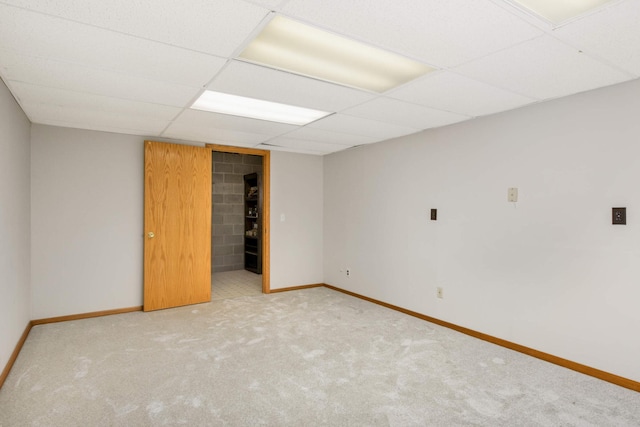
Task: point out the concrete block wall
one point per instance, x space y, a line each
228 208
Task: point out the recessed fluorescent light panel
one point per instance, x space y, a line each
298 48
218 102
557 11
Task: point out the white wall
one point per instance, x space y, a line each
87 203
550 272
87 214
296 242
14 224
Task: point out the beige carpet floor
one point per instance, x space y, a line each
303 358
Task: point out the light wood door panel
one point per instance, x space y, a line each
177 213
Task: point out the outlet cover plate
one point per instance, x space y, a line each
619 216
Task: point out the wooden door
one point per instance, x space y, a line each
177 225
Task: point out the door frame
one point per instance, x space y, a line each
266 204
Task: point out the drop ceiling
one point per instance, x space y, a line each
136 67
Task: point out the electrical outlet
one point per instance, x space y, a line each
619 216
512 194
439 292
348 272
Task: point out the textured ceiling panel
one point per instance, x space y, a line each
452 92
213 135
404 114
269 4
543 68
364 127
442 33
612 34
94 119
250 80
215 27
205 119
75 77
319 147
297 150
34 34
32 94
329 137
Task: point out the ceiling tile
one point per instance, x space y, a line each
289 149
269 4
213 135
28 94
205 119
459 94
325 136
404 114
215 27
240 78
611 34
301 144
441 33
75 77
44 36
223 129
83 118
379 131
543 68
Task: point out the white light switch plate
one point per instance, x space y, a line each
512 194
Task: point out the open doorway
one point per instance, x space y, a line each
240 221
